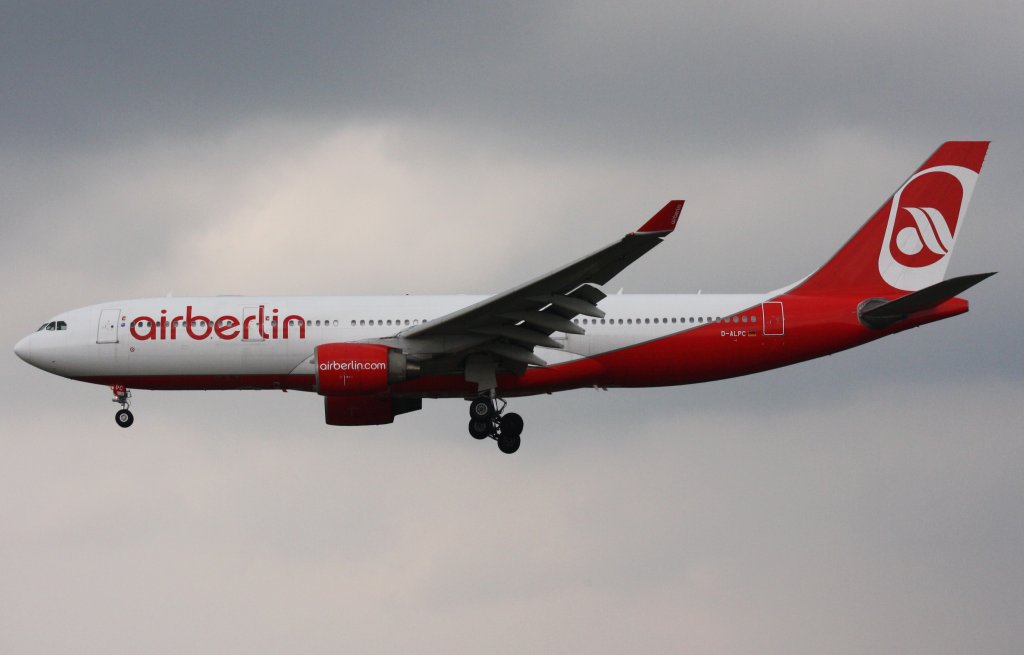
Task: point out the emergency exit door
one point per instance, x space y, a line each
774 319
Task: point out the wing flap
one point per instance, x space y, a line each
571 304
515 353
546 320
520 334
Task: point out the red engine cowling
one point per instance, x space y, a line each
367 410
358 369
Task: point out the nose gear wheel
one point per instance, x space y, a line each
122 396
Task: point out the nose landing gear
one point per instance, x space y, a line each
488 420
122 396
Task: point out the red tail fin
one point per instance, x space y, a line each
907 244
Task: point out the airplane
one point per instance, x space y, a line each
373 358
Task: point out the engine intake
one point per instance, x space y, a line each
357 369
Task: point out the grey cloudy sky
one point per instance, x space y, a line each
866 502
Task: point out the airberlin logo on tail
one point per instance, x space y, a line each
924 218
930 232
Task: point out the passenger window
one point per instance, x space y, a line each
647 321
744 319
753 319
335 323
700 319
629 321
655 321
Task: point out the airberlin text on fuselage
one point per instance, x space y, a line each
227 327
353 366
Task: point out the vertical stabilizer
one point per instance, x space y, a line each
907 244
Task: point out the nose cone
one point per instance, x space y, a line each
23 349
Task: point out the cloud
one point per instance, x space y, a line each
733 530
576 76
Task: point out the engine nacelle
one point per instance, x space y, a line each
367 410
359 369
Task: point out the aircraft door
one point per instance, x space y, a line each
251 318
107 330
774 319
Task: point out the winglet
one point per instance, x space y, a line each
664 221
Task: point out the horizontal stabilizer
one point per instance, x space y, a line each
881 313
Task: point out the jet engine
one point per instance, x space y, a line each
359 369
367 410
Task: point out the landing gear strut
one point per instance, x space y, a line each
122 396
489 421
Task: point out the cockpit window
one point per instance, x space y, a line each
61 325
51 326
42 327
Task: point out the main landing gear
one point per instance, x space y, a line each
122 396
488 420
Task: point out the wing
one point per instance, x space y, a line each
506 327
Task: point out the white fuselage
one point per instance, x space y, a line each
150 337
